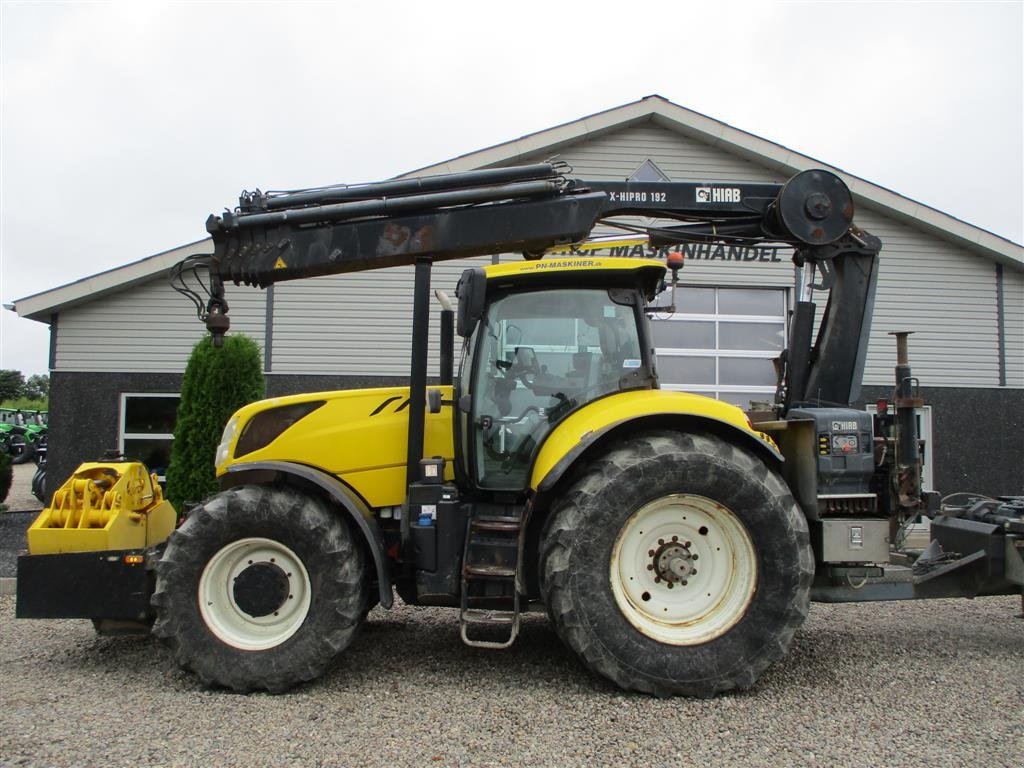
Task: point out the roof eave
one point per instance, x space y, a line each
784 160
42 306
771 155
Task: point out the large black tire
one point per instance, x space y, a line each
20 449
282 582
39 482
710 508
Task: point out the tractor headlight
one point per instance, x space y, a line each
223 450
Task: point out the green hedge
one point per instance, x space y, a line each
217 382
26 404
6 476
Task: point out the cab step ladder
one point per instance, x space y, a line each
490 594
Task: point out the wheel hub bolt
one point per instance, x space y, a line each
672 562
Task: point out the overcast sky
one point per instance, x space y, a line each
125 125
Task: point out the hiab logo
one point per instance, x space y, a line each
718 195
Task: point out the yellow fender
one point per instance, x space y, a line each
568 441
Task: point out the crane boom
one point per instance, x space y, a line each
276 236
284 236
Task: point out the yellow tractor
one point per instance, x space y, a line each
674 544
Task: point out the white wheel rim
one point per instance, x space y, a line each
701 549
228 620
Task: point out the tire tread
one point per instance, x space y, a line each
306 654
637 455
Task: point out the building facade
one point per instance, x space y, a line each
120 340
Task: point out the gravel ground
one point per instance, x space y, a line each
932 683
20 498
12 539
900 684
20 509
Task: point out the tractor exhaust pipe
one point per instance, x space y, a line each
907 399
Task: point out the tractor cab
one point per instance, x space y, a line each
543 339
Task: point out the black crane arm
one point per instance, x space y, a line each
276 236
272 237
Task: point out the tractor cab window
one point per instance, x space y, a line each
539 356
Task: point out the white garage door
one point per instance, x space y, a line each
721 342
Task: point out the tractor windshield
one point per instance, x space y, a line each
539 356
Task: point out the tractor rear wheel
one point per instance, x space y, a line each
260 589
677 564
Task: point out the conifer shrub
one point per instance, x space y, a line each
6 476
217 382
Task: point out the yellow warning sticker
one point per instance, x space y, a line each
280 264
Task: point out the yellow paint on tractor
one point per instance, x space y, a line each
358 435
626 406
102 507
574 263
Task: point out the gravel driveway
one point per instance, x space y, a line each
20 498
896 684
22 508
904 684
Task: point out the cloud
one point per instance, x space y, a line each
124 125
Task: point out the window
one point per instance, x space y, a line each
147 429
540 355
648 171
722 342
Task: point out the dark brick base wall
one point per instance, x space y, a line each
978 434
85 411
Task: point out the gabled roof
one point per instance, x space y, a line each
768 154
653 108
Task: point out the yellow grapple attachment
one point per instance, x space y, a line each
102 507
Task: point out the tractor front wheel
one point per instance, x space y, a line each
260 589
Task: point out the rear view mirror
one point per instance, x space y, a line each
471 292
